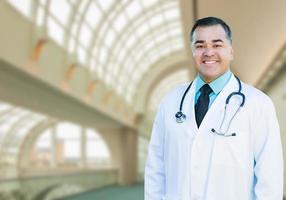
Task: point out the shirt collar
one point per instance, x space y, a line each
216 85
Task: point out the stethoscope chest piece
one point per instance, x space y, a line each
180 117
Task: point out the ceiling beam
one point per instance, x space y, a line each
23 89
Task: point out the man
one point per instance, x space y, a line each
213 152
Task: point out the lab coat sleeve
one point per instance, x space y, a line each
154 183
268 155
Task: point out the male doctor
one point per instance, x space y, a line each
216 152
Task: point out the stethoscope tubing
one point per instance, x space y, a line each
181 117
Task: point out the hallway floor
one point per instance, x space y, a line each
113 193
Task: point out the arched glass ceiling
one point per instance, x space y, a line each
66 140
179 77
117 40
17 123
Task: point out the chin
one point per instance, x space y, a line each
209 75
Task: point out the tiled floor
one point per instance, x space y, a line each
135 192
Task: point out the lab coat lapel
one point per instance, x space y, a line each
189 109
202 147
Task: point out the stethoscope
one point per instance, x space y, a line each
181 117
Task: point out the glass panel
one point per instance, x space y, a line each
96 147
71 150
172 14
142 30
85 35
161 38
131 40
109 38
30 123
175 32
179 77
24 6
156 20
133 9
68 139
121 55
103 55
177 44
93 15
41 154
105 4
11 118
165 51
60 9
44 141
149 45
120 22
81 54
68 130
55 31
149 3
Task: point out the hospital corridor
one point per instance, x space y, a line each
81 82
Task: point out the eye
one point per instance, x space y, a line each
217 45
199 46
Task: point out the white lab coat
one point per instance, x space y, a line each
187 163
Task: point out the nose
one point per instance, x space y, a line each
208 51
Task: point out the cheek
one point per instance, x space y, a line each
227 55
196 56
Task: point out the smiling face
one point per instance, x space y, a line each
212 51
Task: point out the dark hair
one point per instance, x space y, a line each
211 21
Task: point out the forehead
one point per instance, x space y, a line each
209 33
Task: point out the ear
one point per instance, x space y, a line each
231 53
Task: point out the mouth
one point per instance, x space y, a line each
209 62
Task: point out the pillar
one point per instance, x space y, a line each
128 164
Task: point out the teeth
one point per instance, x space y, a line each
210 62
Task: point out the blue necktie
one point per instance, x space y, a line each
202 104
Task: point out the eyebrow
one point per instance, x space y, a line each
218 40
202 41
199 42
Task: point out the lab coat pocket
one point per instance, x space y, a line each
230 166
232 151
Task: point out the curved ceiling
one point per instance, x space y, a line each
121 41
117 40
